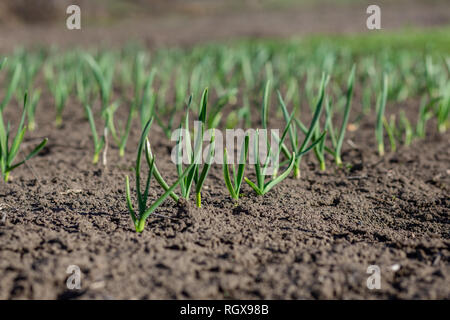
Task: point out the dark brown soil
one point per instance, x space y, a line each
311 238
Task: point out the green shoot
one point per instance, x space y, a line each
60 88
7 153
366 100
247 71
261 187
389 126
336 140
244 113
158 177
31 66
144 212
12 84
430 76
194 157
31 109
447 65
319 149
407 128
265 105
103 78
234 188
425 114
297 148
120 137
82 88
181 87
443 111
232 120
146 101
381 106
200 180
2 63
340 139
138 74
99 143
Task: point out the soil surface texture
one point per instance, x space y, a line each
311 238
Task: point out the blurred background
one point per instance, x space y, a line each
184 22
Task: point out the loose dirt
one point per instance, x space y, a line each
306 239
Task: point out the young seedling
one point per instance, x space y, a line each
195 176
144 97
390 127
35 96
99 143
430 78
82 88
12 84
244 114
60 88
265 105
447 65
144 211
366 100
104 79
32 63
381 106
8 154
181 87
443 111
261 187
235 187
425 114
120 137
138 74
292 95
162 107
405 126
31 109
247 71
146 100
336 140
340 138
300 149
232 120
319 149
200 179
